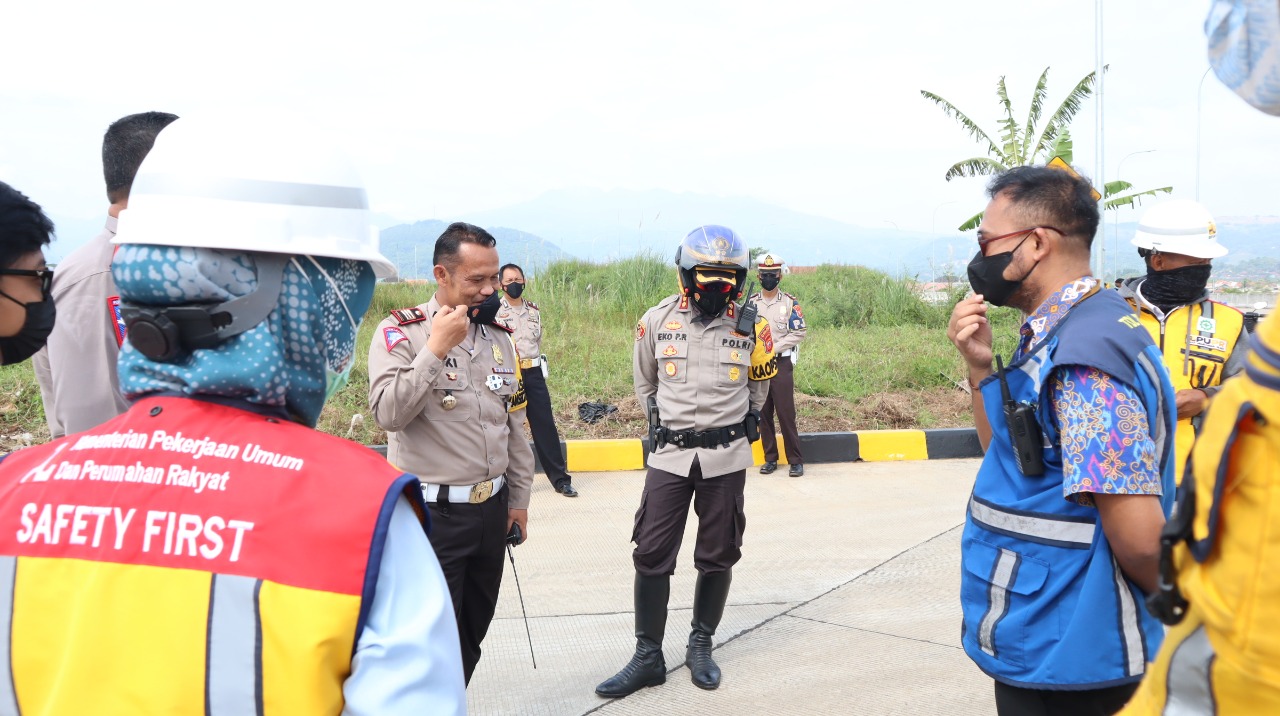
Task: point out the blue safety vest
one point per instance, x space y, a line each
1046 605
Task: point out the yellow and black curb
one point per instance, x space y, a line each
865 445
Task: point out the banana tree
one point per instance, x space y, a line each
1029 143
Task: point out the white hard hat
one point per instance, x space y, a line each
1179 226
769 260
263 186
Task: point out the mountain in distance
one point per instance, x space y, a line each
409 247
601 225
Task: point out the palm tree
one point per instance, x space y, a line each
1021 144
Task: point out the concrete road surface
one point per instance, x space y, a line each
846 601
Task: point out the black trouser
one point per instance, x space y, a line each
542 423
1016 701
664 508
782 399
470 543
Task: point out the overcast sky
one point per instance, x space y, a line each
455 107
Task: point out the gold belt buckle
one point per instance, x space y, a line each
526 363
481 492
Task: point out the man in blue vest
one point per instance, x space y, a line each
1062 538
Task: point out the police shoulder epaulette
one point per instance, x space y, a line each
668 300
532 305
406 316
791 296
495 324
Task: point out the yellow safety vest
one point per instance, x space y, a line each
1224 657
1196 341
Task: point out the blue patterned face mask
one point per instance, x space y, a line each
292 360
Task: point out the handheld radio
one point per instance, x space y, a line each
1024 431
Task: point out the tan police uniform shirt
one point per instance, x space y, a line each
786 320
478 439
77 367
526 322
703 377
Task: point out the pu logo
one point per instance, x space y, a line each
1206 325
43 471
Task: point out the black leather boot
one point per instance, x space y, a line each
647 667
709 597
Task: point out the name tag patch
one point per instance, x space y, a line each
1215 344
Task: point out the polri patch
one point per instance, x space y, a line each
113 312
639 330
393 336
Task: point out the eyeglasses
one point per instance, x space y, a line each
45 275
982 243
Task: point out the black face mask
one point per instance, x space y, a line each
35 331
514 289
711 303
769 281
986 276
1175 287
484 313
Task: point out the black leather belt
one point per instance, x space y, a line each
713 438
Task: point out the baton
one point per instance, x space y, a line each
514 537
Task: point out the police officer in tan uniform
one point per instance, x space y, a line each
525 321
786 321
77 370
708 378
444 382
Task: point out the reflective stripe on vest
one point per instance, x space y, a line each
1135 649
1190 691
1038 527
8 579
1003 574
233 671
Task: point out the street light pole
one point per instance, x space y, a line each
1115 224
1199 102
933 233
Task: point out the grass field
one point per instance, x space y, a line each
876 356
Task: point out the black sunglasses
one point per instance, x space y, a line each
45 275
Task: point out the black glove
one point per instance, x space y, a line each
752 425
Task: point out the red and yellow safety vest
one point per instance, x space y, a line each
188 557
